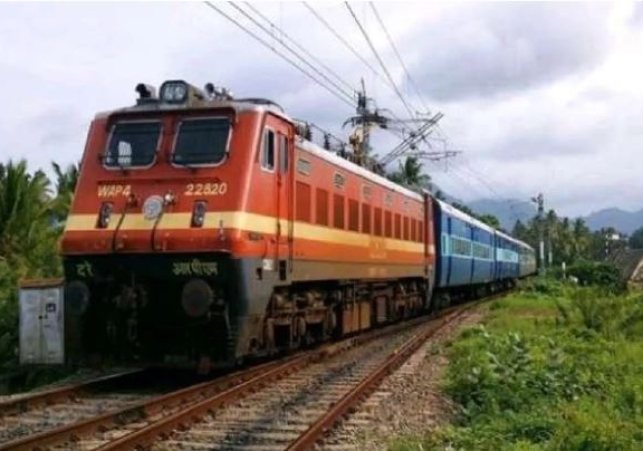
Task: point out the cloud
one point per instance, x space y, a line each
538 96
488 50
637 15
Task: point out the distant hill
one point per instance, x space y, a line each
622 220
507 211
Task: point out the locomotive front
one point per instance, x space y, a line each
148 243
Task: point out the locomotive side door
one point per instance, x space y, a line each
283 145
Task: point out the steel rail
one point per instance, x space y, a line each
140 410
60 394
366 386
216 394
183 418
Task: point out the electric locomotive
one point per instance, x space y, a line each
207 229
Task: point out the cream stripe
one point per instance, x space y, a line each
250 222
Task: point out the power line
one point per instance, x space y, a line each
339 88
377 56
399 57
346 44
300 47
286 58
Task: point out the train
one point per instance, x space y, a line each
207 230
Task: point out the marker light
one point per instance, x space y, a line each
104 215
169 198
198 213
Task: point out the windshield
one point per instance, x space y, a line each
133 144
201 141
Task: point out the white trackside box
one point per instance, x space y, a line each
42 322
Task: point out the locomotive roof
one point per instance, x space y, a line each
241 105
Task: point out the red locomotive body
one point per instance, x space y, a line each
207 229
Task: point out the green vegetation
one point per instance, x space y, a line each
31 221
636 239
554 367
570 240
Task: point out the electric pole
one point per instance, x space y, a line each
541 242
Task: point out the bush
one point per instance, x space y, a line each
569 380
598 274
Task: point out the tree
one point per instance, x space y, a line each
490 220
24 211
636 239
27 242
410 174
66 182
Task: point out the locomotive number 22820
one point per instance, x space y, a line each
206 189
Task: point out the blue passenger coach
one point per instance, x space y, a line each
507 257
465 253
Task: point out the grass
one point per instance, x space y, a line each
553 367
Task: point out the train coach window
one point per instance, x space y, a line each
268 154
388 224
133 144
201 141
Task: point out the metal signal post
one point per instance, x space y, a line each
541 240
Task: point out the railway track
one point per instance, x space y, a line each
27 416
286 404
296 412
27 413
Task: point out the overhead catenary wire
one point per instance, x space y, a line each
399 57
347 45
280 54
348 94
379 59
301 48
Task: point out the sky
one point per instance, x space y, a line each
537 97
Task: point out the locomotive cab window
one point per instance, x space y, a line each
133 144
201 141
268 153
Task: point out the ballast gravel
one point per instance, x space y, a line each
409 401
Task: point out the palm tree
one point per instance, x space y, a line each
410 174
66 182
24 211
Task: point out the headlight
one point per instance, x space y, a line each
174 91
152 207
198 213
104 215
